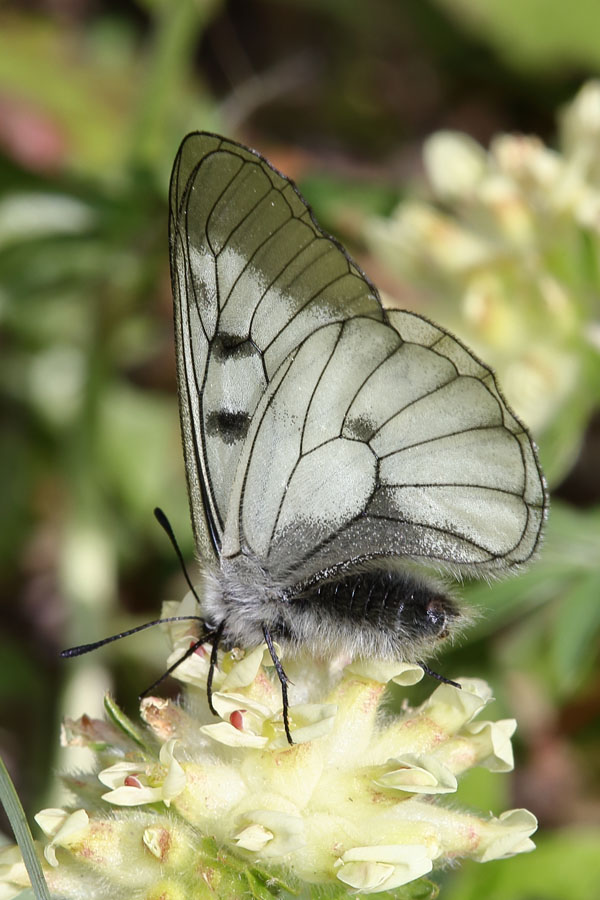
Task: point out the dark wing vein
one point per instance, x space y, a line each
442 437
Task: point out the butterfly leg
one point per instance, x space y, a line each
438 677
192 649
283 680
213 664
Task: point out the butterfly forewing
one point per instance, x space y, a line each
253 276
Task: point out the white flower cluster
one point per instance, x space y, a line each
495 254
357 801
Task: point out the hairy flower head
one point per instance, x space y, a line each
199 806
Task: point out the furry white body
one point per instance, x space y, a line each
371 613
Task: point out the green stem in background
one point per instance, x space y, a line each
176 29
22 832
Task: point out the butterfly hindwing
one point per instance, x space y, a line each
384 440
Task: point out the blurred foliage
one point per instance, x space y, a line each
534 33
94 100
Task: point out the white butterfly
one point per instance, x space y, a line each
330 445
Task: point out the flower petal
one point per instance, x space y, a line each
379 868
286 832
13 874
115 775
253 713
193 669
418 773
253 837
311 721
227 734
455 164
133 796
493 744
63 826
507 835
402 673
175 779
245 670
50 820
452 708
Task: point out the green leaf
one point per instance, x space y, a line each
575 636
539 33
138 432
123 722
421 889
258 888
22 832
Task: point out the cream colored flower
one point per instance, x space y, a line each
62 827
13 874
455 164
496 257
359 799
133 784
382 868
418 773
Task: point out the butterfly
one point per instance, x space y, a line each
338 454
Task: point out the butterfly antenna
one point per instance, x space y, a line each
283 680
439 677
87 648
164 523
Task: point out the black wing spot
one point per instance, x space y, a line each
227 425
360 428
232 346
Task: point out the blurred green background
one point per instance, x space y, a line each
501 247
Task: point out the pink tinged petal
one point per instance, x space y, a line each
114 776
254 713
132 781
237 719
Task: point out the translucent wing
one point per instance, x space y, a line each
253 275
384 439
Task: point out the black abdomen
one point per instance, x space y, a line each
389 601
